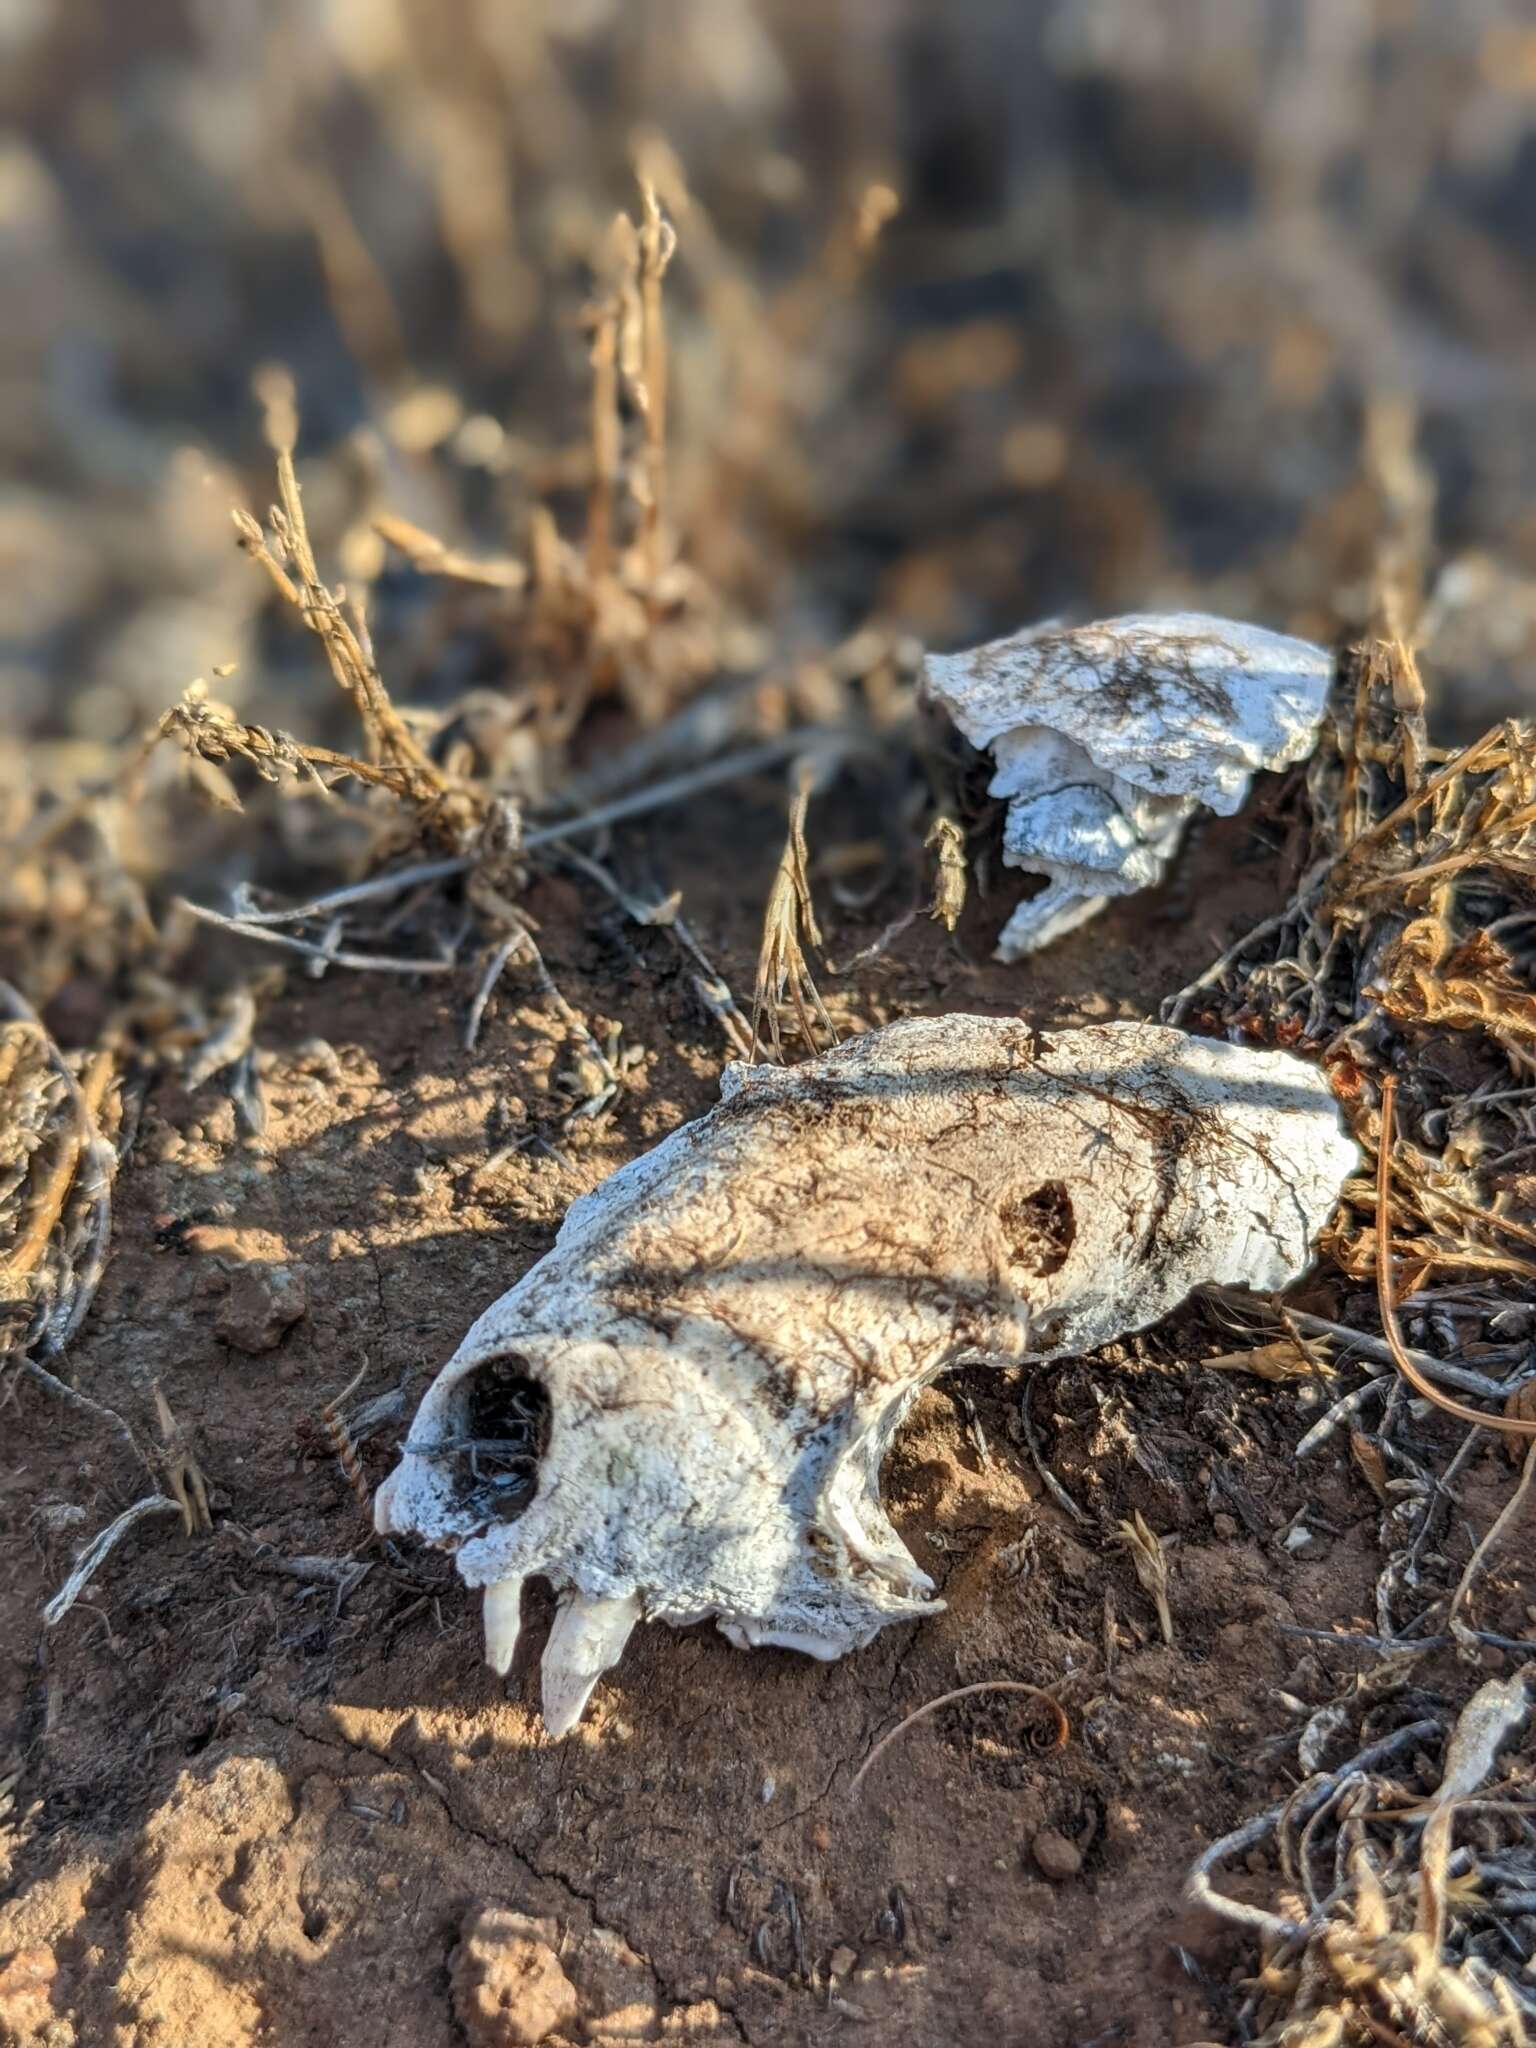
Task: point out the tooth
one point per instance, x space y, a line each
383 1503
587 1638
503 1617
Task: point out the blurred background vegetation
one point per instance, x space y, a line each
979 313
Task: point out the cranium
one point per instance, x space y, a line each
680 1412
1108 738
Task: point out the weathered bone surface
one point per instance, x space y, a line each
1107 739
680 1413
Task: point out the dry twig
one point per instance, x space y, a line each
97 1551
1507 1516
945 1699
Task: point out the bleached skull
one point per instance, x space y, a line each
680 1412
1108 738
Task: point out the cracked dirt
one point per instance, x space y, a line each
259 1808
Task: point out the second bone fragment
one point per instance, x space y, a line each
680 1413
1108 738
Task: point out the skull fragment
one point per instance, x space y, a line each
680 1412
1108 738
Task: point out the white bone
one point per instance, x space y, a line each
503 1620
729 1331
1107 738
587 1639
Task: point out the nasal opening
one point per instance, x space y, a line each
503 1433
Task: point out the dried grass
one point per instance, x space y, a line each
1407 937
1405 940
784 979
1384 1933
56 1172
1150 1560
1404 964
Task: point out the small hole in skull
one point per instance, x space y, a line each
1039 1226
504 1434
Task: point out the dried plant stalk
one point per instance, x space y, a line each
396 760
430 556
179 1470
1151 1563
24 1255
658 243
334 1423
1515 1425
946 842
1059 1733
782 970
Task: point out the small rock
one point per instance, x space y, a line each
1055 1857
509 1990
219 1123
1225 1527
841 1960
262 1305
25 2003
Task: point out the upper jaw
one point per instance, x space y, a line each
814 1566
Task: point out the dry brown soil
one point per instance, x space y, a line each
250 1812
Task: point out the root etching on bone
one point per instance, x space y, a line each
680 1413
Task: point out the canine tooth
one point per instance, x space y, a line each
384 1502
503 1618
587 1638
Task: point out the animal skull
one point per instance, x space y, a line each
680 1412
1108 738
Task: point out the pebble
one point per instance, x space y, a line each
509 1990
1056 1857
262 1305
1225 1526
164 1146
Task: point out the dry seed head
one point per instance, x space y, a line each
783 974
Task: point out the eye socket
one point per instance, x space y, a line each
1039 1226
504 1435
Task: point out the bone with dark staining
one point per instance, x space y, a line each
680 1413
1108 738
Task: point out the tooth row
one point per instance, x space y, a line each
587 1639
